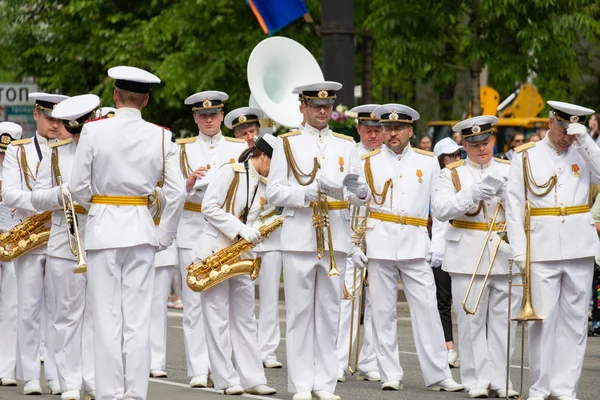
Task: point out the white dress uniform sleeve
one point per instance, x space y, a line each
279 192
356 167
214 202
447 204
12 193
44 196
438 228
590 152
81 176
515 206
173 193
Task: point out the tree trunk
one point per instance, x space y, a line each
475 72
367 67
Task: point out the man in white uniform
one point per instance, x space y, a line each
118 164
468 194
371 138
9 131
304 164
554 177
401 180
72 322
23 158
199 156
246 125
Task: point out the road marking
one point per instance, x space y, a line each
210 390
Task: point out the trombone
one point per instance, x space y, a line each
502 234
72 228
359 231
321 222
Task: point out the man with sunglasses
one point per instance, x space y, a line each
471 193
34 288
199 156
554 177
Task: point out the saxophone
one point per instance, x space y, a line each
222 265
25 236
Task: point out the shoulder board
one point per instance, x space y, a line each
160 126
288 134
456 164
238 167
263 179
525 146
339 135
425 153
186 140
21 141
235 140
60 143
95 119
370 154
502 160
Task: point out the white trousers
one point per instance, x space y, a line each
35 295
269 334
158 322
121 285
367 360
196 352
482 337
8 320
228 310
419 287
312 312
69 321
560 293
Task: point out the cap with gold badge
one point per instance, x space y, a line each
9 131
133 79
567 113
396 114
242 116
106 112
364 114
45 102
75 111
319 94
477 128
207 102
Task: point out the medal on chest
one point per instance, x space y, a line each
341 162
575 169
420 176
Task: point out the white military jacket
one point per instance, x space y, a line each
123 156
223 226
463 246
17 182
555 237
266 216
7 220
46 196
211 152
337 157
414 174
169 256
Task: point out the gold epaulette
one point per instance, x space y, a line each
339 135
186 140
455 164
21 141
238 167
263 179
502 160
424 152
60 143
235 140
525 146
370 154
288 134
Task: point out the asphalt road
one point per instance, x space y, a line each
175 387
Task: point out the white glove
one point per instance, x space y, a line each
358 257
356 186
481 191
501 193
63 187
578 130
435 259
520 262
312 193
250 234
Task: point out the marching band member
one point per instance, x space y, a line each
198 157
401 179
9 131
554 176
371 138
469 193
245 125
34 289
72 321
301 162
230 206
119 161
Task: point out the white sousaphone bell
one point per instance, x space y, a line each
276 66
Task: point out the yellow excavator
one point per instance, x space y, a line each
517 113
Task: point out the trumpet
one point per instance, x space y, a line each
72 228
321 222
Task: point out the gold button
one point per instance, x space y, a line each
400 176
402 228
323 157
563 221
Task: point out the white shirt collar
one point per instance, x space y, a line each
401 155
129 112
210 139
41 140
316 132
553 149
365 148
479 166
